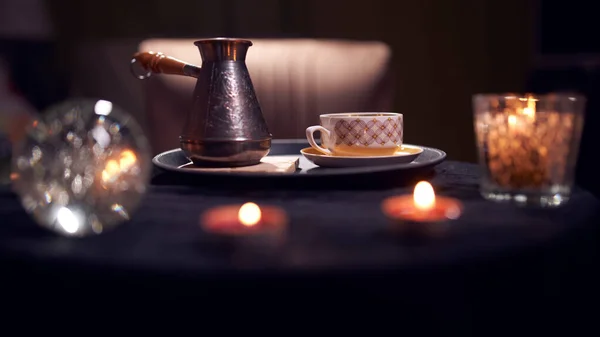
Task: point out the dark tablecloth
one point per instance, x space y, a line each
497 257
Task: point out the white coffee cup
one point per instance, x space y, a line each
358 133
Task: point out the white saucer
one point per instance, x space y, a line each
405 155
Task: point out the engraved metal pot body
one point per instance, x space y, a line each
225 126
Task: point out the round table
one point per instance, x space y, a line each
338 248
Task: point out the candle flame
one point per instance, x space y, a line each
424 196
516 120
529 111
249 214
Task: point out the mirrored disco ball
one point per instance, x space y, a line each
82 168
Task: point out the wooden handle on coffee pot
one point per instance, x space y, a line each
159 63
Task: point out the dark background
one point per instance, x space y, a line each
567 27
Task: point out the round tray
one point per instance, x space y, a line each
169 161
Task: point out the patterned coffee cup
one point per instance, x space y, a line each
358 134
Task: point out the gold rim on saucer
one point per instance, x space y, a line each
405 150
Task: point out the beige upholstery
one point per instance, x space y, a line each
295 81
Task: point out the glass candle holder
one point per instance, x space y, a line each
528 146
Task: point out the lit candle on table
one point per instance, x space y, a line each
248 221
526 147
422 211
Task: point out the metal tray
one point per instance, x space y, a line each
168 163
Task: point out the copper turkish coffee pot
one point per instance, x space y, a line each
225 126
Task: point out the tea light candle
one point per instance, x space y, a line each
246 221
422 211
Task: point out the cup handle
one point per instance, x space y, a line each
310 131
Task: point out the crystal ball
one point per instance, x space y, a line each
82 168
